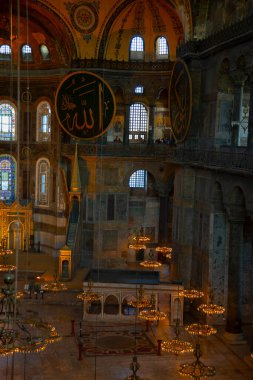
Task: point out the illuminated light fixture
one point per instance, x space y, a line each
141 237
197 369
7 267
150 264
139 241
4 253
54 286
89 295
211 309
137 246
141 301
200 329
251 355
191 293
151 313
167 251
176 346
19 334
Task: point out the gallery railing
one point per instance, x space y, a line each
222 158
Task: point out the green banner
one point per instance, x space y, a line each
85 105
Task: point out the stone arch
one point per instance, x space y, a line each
224 80
111 305
126 308
237 197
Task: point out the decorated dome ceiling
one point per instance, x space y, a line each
93 28
79 29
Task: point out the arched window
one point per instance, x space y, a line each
137 48
139 90
7 178
42 182
161 48
7 122
138 179
45 55
138 123
27 53
5 53
43 121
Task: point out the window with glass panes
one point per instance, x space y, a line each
7 178
27 53
7 122
44 122
5 52
162 47
138 179
138 123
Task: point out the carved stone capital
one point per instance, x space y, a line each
239 77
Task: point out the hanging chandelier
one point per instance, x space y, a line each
54 286
211 309
89 295
191 294
4 253
141 301
167 251
139 240
197 369
19 334
151 313
150 264
176 346
141 237
200 329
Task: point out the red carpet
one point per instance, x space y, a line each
116 341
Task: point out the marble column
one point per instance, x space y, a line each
126 125
236 223
239 80
151 125
163 217
250 121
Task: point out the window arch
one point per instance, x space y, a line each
138 123
27 53
138 179
161 48
137 48
42 182
7 121
43 121
45 55
5 52
7 178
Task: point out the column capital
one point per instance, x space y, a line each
249 72
239 77
235 213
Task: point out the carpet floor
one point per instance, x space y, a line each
121 341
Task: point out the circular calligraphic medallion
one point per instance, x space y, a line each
85 105
84 17
180 100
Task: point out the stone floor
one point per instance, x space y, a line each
61 360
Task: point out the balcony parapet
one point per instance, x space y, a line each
222 159
121 65
230 34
